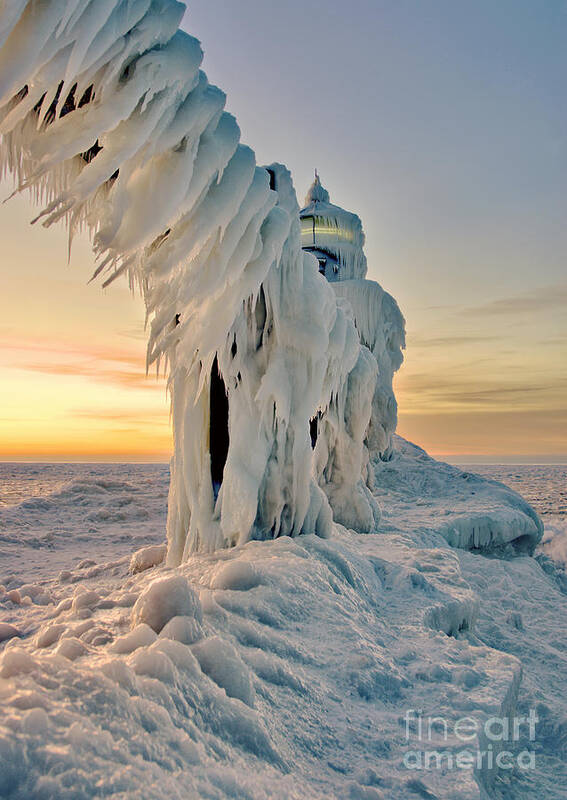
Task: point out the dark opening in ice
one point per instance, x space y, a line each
218 433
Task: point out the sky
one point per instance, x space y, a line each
444 126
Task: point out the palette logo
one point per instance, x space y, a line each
468 743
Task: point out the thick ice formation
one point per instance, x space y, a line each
107 118
335 237
381 328
281 668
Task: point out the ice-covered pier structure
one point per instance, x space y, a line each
280 381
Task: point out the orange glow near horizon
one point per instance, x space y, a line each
72 356
60 404
72 360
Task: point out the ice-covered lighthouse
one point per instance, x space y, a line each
336 238
280 381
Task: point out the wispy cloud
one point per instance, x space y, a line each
122 377
419 340
112 365
546 298
134 333
133 415
62 347
440 390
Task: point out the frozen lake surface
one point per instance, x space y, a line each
544 486
48 512
51 515
281 668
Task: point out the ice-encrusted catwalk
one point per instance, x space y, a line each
107 118
281 382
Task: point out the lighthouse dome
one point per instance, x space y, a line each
333 235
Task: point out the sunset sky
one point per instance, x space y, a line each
444 126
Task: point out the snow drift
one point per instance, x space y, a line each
281 668
477 514
210 680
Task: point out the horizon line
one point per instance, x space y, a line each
538 459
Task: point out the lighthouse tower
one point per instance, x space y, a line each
333 235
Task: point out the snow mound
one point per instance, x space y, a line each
471 512
186 630
8 631
164 599
141 636
147 557
236 575
554 542
220 661
273 662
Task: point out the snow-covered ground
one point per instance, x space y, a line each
54 515
282 668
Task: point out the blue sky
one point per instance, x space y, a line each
443 124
